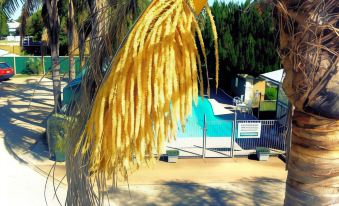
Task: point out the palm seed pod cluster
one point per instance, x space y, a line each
153 80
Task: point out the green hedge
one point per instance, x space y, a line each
268 106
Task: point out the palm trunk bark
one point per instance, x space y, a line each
82 47
309 50
313 165
71 42
56 77
52 23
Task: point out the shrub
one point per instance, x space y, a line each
172 152
271 93
33 66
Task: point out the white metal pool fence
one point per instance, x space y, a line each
219 138
272 136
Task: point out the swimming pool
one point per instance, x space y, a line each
218 126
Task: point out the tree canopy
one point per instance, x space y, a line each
3 24
247 39
35 26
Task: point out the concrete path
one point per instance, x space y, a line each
21 184
23 148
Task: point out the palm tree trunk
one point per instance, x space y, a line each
309 50
52 23
56 77
82 46
313 165
71 42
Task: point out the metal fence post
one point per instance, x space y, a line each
234 131
14 64
232 137
204 138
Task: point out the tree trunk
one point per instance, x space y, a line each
309 51
82 47
313 165
97 34
52 23
71 42
56 78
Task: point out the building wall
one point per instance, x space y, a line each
247 85
259 85
238 86
13 39
248 90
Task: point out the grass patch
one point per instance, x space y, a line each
5 41
26 75
268 106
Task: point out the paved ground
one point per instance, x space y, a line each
215 182
22 144
25 165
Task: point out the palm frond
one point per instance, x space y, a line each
10 6
161 47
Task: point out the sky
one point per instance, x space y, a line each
18 11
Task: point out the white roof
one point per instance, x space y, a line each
275 76
13 25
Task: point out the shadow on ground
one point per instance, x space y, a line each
258 191
24 108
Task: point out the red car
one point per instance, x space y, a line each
6 71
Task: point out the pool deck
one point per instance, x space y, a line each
193 146
215 146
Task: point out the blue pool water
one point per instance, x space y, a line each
218 126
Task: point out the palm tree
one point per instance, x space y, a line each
310 55
52 23
82 26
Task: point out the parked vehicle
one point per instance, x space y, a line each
6 71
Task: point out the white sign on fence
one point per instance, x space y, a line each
249 130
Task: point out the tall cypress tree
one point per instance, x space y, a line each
3 24
247 39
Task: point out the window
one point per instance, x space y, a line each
3 65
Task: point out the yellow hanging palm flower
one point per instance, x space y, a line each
149 89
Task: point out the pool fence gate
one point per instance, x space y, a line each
227 138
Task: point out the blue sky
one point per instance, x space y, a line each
18 11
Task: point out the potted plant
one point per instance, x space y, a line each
55 136
263 153
172 155
59 149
